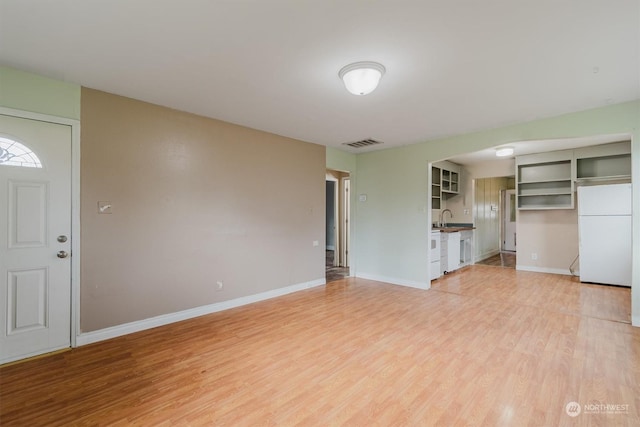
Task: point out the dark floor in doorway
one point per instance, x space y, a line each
334 273
503 259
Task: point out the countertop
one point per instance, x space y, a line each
453 229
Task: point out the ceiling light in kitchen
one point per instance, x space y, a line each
504 151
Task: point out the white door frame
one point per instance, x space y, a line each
75 206
345 221
337 249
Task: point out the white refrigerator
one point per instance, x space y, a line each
604 227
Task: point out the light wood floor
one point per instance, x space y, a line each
485 346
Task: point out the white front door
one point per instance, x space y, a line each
35 237
509 221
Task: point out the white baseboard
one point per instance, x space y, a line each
635 321
331 248
543 270
394 281
165 319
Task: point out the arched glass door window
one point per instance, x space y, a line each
12 153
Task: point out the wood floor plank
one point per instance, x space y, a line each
484 346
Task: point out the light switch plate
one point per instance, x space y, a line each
104 207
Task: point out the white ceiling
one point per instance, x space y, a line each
453 66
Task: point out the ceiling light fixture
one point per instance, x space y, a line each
361 78
504 151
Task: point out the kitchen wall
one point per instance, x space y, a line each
547 240
392 230
492 169
195 201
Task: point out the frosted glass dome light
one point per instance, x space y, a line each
361 78
504 151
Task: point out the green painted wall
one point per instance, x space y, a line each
392 225
29 92
341 160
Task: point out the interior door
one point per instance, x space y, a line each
35 239
509 221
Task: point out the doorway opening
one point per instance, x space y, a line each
495 210
338 210
508 220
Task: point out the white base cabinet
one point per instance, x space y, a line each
466 248
453 251
434 253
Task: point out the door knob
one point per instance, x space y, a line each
62 254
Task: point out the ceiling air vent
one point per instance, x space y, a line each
363 143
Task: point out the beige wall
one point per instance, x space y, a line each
195 201
551 235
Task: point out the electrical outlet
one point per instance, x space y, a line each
315 243
534 256
219 285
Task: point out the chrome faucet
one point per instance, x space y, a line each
443 222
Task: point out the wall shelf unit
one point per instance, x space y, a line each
450 181
548 180
445 181
435 188
544 181
604 162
